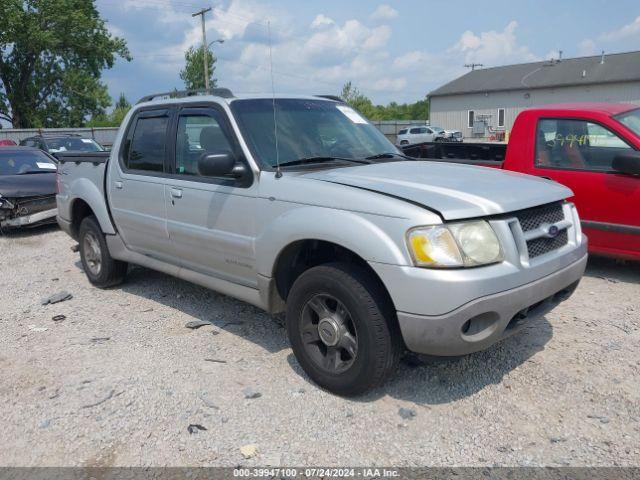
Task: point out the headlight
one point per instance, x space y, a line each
465 244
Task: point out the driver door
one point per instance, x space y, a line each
210 219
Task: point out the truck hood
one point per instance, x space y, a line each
454 191
32 185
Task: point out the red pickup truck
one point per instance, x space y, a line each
592 148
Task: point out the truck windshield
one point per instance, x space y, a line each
307 129
14 162
631 120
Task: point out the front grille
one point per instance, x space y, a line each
532 218
542 245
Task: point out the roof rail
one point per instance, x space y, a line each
218 92
331 97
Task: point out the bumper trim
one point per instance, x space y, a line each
495 315
30 219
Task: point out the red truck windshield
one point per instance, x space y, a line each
631 120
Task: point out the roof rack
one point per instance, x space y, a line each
331 97
218 92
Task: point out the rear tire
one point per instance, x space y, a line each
101 269
353 344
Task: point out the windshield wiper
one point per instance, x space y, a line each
309 160
388 155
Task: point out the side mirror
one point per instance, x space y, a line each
218 164
627 163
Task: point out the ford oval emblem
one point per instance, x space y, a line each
553 231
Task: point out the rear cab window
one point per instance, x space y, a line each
145 147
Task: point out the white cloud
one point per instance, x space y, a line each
383 13
321 21
493 48
627 31
587 47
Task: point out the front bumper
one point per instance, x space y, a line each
35 218
482 322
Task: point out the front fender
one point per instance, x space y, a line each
353 231
84 189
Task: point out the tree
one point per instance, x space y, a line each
114 119
393 111
52 53
193 72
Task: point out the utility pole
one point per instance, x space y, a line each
205 46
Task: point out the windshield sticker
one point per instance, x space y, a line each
48 166
351 114
86 140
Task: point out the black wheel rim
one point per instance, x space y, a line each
329 335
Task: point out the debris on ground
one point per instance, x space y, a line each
56 298
195 324
251 393
195 428
109 396
249 451
407 413
33 328
58 318
100 339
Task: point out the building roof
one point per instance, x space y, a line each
617 67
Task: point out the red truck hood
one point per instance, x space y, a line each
456 191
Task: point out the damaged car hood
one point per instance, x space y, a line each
30 185
455 191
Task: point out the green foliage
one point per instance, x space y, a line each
193 72
113 119
394 111
52 53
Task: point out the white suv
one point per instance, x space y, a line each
417 134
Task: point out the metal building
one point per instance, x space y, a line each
485 102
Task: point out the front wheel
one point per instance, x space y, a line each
101 269
342 328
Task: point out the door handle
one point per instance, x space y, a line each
117 184
176 192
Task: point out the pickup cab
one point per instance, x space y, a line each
298 204
594 149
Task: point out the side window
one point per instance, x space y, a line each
146 149
470 118
197 135
414 131
576 145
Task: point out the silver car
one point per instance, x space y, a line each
298 204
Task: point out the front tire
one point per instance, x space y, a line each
342 328
101 269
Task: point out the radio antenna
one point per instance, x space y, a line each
273 101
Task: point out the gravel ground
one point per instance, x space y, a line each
120 379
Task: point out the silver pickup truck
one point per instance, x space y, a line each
298 204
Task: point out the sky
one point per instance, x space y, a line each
391 50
